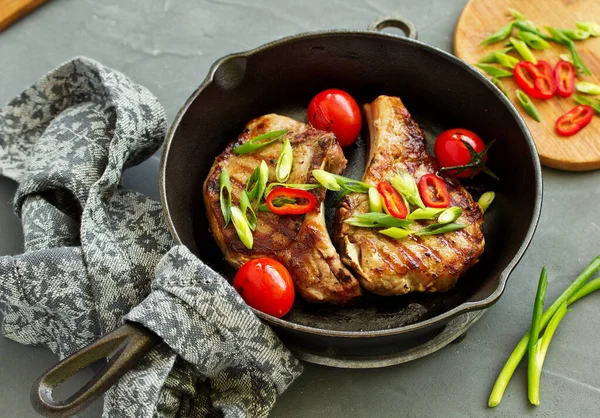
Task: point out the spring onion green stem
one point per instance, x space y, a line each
528 26
406 185
225 195
263 178
375 201
521 348
528 105
259 142
499 35
449 215
506 60
523 50
491 57
438 229
559 37
425 214
486 200
396 233
517 15
377 220
285 161
575 34
534 369
241 227
247 211
591 27
595 104
587 87
566 57
494 71
532 40
336 182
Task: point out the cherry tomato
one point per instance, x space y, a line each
336 111
266 285
450 151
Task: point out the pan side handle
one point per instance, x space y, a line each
123 348
405 25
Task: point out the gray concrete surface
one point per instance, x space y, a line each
168 46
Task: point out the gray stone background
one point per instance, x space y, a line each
168 46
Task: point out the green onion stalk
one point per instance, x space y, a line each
528 105
494 71
578 289
225 195
285 161
406 185
259 142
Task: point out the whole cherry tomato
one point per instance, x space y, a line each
450 150
266 285
336 111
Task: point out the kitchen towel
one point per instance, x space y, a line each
97 255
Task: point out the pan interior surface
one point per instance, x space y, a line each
440 94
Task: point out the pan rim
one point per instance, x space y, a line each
442 318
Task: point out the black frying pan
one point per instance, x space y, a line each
439 90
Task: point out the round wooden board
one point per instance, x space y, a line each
481 18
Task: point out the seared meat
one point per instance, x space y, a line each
300 242
424 264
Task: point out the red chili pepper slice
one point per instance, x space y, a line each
536 80
433 191
574 120
392 200
304 201
564 77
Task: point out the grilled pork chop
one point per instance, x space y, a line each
415 264
300 242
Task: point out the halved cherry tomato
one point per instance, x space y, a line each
392 200
266 285
450 150
537 80
433 191
574 120
336 111
295 201
564 77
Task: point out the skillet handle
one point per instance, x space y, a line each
123 348
405 25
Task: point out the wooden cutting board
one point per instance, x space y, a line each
481 18
12 10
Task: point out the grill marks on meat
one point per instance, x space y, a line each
301 243
424 264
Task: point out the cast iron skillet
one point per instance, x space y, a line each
439 90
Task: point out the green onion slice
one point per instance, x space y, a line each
587 87
494 71
427 213
335 182
506 60
284 164
396 233
523 50
499 35
247 210
449 215
377 220
591 27
225 195
517 15
528 105
375 201
491 57
575 34
259 142
300 186
406 185
486 200
241 227
501 86
263 178
532 40
558 36
588 101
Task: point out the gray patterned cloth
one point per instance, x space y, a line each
96 255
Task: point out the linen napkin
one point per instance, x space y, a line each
97 254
